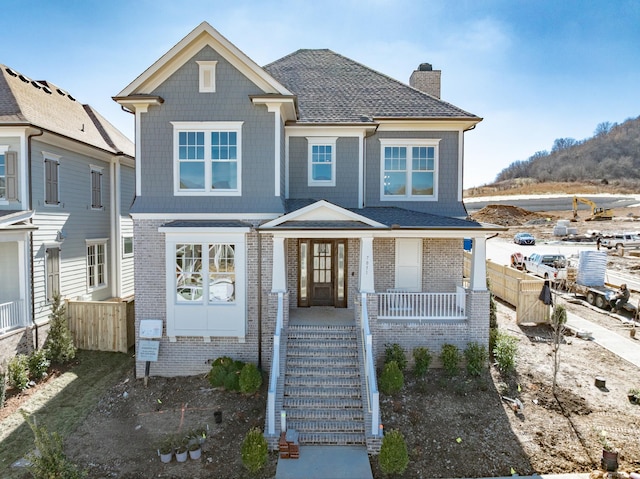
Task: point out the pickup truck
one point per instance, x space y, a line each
555 265
624 240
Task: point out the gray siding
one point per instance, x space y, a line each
127 190
447 203
230 102
345 193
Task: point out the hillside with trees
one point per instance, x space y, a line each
610 157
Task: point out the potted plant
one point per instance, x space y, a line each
166 449
182 447
634 395
195 450
609 460
201 434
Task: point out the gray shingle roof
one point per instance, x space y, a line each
331 88
42 104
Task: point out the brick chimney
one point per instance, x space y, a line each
426 79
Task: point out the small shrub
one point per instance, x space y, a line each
450 357
59 341
3 386
18 372
394 352
225 373
493 335
393 457
38 364
505 352
50 462
250 379
422 358
476 356
255 450
391 380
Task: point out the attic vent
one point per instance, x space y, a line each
46 90
24 78
11 72
70 97
61 92
35 84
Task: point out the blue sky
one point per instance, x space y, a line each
535 70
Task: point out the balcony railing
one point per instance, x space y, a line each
11 315
397 304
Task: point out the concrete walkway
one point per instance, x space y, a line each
327 462
626 348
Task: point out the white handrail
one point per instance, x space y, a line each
407 305
373 395
275 370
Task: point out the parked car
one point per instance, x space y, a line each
524 238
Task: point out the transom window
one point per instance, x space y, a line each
208 157
96 264
409 169
322 161
194 281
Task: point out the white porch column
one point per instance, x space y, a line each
366 265
279 275
479 264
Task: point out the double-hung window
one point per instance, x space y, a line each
51 186
208 158
96 264
409 169
322 161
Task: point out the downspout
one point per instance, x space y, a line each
259 242
31 268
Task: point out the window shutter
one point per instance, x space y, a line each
11 159
96 189
51 187
53 272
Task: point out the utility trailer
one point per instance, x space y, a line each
588 280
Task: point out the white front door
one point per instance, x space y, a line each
409 264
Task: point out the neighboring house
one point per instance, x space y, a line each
311 184
66 184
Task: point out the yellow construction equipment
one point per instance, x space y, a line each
597 213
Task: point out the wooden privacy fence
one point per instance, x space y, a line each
517 288
102 325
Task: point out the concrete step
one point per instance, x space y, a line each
330 438
317 402
327 372
320 392
326 426
321 381
299 414
322 343
294 350
319 362
333 335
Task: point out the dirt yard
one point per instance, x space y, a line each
459 427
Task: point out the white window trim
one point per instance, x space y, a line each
207 68
55 158
127 255
321 141
98 169
92 242
207 127
3 150
410 142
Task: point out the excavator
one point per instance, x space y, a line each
597 213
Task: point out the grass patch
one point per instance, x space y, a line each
61 405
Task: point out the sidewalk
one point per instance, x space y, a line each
626 348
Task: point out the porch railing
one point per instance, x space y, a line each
275 370
396 304
11 315
373 395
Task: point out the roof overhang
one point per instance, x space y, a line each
322 211
422 124
201 36
138 102
15 220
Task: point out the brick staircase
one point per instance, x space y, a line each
323 386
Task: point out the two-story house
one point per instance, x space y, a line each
312 192
66 185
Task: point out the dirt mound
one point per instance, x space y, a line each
506 215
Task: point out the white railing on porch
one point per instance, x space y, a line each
11 315
275 369
373 396
408 305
